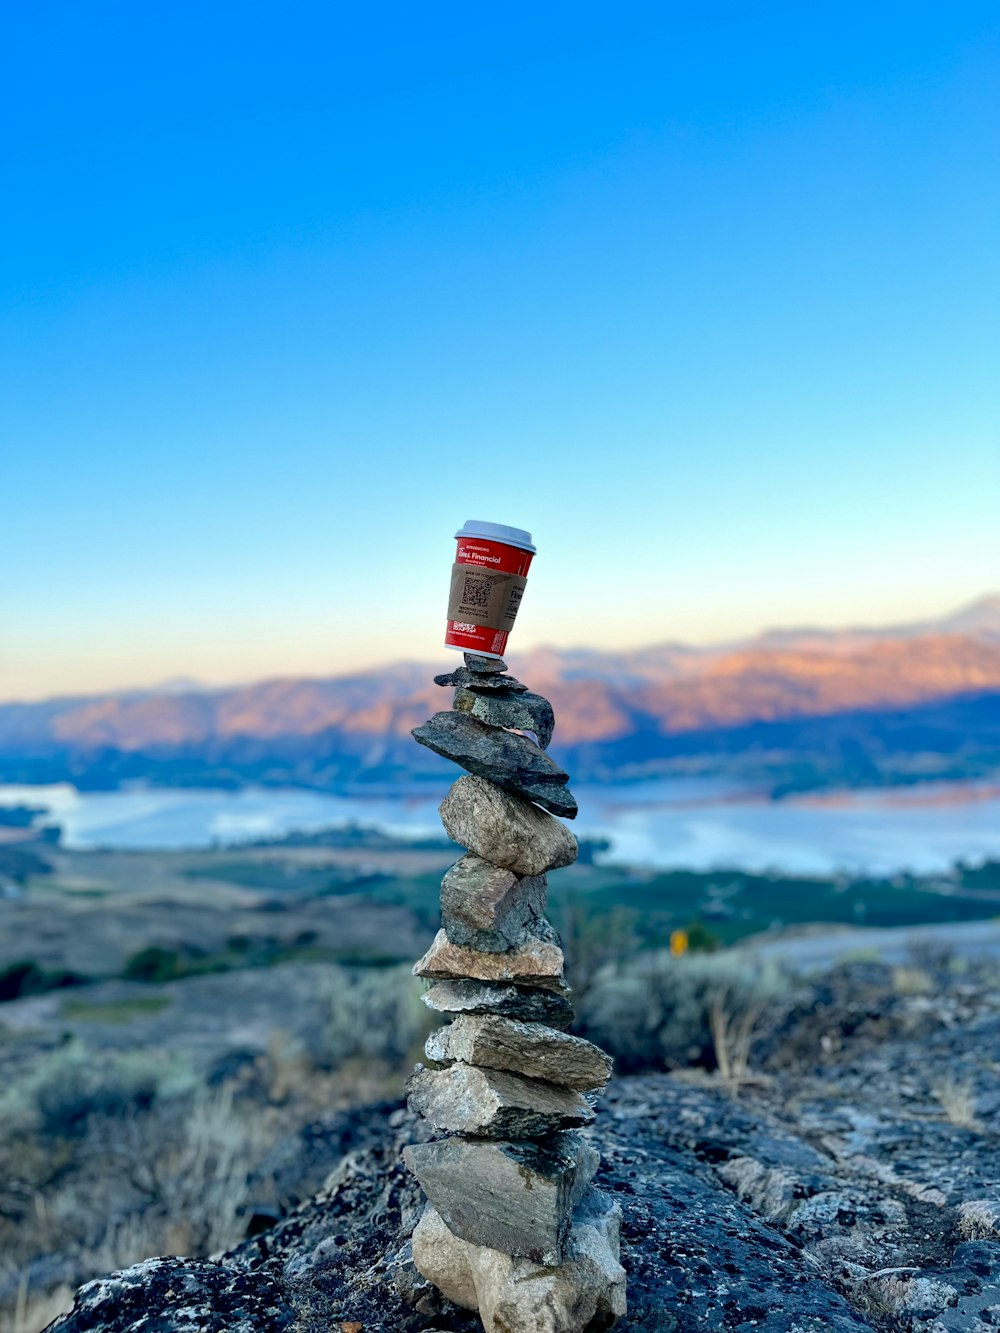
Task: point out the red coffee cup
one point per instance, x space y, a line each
487 582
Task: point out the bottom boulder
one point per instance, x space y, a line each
583 1294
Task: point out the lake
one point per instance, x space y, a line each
693 823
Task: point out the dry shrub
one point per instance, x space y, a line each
979 1219
734 1021
655 1011
33 1313
912 981
167 1173
194 1174
108 1158
376 1014
957 1099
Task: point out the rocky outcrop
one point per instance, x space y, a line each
734 1216
853 1185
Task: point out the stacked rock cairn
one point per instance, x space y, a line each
513 1226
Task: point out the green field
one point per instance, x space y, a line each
156 916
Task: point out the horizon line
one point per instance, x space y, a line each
180 685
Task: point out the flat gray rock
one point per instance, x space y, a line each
531 1049
506 830
488 908
493 1103
463 676
585 1291
519 1002
514 1197
539 962
504 757
485 666
523 712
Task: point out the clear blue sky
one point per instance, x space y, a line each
705 295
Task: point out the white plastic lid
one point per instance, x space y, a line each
497 532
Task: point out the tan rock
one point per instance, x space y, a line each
531 1049
443 1259
586 1290
537 963
504 829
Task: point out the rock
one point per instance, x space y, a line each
442 1258
488 908
510 760
531 1049
771 1210
484 666
980 1258
525 712
467 678
513 1197
504 829
908 1294
494 1103
185 1294
537 963
585 1291
482 997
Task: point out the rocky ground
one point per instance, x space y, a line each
853 1184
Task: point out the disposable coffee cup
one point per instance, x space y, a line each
487 583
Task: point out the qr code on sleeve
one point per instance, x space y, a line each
476 592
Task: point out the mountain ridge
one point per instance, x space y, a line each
979 619
652 707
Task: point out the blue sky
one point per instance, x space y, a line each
705 296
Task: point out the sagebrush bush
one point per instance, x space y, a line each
375 1014
26 977
107 1159
654 1011
74 1083
108 1156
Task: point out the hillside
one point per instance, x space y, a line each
799 707
849 1183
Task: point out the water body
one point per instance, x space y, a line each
697 823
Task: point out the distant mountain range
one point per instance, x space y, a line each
790 709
